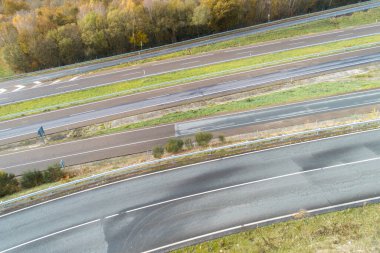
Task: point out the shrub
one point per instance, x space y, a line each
203 138
189 143
158 152
31 179
222 139
53 174
8 184
174 145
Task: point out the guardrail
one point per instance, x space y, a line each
174 157
188 79
192 41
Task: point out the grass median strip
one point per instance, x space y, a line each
351 230
170 79
291 95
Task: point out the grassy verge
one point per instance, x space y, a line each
170 79
356 19
351 230
5 71
292 95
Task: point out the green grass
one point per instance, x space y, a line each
351 230
292 95
356 19
170 79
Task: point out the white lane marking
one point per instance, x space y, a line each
37 82
3 130
243 53
345 34
18 87
133 73
76 114
50 235
256 223
296 43
253 182
37 85
3 90
85 152
111 216
55 82
195 195
75 78
184 167
191 62
67 86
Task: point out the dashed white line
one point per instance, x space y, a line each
111 216
191 62
3 90
67 86
18 87
37 82
74 78
3 130
76 114
55 82
133 73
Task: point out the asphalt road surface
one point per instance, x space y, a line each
139 141
23 91
161 210
39 79
25 127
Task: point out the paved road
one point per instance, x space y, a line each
153 211
38 79
138 141
10 93
26 127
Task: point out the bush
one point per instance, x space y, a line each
203 138
174 145
189 144
32 179
222 139
8 184
158 152
53 174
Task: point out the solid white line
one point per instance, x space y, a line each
85 152
5 129
278 218
253 182
50 235
185 167
297 43
200 194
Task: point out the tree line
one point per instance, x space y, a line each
39 34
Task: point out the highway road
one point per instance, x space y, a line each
156 212
38 79
142 140
26 127
11 93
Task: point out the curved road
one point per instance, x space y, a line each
156 212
